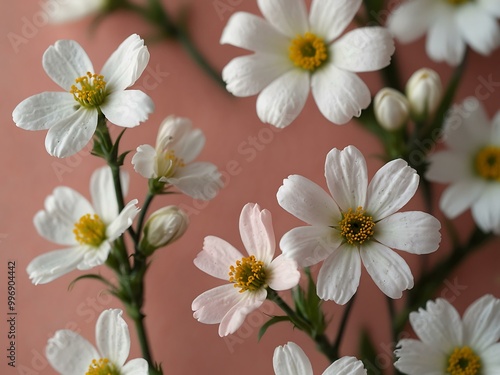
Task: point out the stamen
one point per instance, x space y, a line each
92 92
356 227
90 230
308 51
463 361
248 274
102 366
487 163
171 163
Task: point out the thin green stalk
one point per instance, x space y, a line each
342 327
142 216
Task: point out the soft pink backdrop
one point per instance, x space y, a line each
183 345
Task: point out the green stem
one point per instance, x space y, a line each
142 216
342 327
144 343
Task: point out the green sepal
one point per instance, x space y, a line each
270 322
93 276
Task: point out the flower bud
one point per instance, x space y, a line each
424 91
163 227
392 109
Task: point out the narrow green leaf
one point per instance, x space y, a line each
94 277
270 322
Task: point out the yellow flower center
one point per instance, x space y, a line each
102 367
248 274
308 51
457 2
172 162
90 230
92 91
463 361
356 227
487 163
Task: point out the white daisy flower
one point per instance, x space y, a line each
71 116
171 162
290 359
360 223
471 166
72 10
450 345
248 276
451 25
295 52
86 230
71 354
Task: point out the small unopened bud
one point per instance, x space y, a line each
163 227
424 91
392 109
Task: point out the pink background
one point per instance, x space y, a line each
235 136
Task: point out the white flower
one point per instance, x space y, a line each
359 224
295 52
451 25
71 116
290 359
71 354
471 166
248 276
424 91
72 10
450 345
391 108
177 145
86 230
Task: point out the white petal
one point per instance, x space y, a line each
330 18
490 360
217 257
479 29
71 10
290 359
144 161
346 176
486 210
172 131
444 42
284 273
338 278
363 50
387 269
339 94
288 16
346 366
41 111
200 180
415 232
49 266
63 209
127 108
253 33
190 145
249 75
482 323
137 366
69 353
257 233
237 314
448 167
307 201
66 61
411 20
438 326
94 256
391 188
310 245
126 64
72 133
460 196
112 336
282 101
211 306
411 352
492 6
102 191
123 221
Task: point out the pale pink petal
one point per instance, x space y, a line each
330 18
282 101
415 232
339 94
308 202
388 270
127 108
411 352
346 176
257 233
481 322
339 275
290 359
287 16
112 336
284 273
479 28
460 196
217 257
391 188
